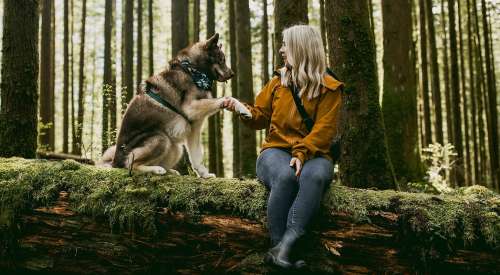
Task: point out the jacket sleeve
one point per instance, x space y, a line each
324 129
262 109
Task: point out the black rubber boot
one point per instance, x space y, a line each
279 254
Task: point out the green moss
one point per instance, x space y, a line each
432 225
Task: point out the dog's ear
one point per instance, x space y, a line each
212 41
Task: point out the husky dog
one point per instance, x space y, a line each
168 112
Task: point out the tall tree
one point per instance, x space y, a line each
53 72
150 44
364 158
446 73
77 142
128 59
66 77
264 33
492 103
214 122
463 92
455 92
196 20
46 92
109 80
472 90
19 81
234 88
287 13
425 75
139 43
180 30
399 103
436 93
247 139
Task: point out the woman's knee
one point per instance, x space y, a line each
317 171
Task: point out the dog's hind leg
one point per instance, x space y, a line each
107 158
147 157
173 154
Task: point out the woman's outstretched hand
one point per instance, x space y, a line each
298 165
229 103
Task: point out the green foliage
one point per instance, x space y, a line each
431 225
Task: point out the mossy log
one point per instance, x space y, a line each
66 217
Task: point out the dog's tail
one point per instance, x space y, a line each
107 158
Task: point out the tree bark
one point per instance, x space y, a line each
364 158
128 59
425 76
492 113
109 80
436 92
19 80
234 89
139 43
46 93
286 14
81 82
151 36
322 23
247 138
264 33
66 77
180 29
446 72
458 174
196 20
399 103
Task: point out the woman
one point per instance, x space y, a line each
294 163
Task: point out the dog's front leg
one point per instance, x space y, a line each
195 151
199 109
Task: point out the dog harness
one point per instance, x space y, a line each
200 79
164 103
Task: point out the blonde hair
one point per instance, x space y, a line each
306 55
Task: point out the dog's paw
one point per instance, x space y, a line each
203 172
157 170
242 110
208 175
173 172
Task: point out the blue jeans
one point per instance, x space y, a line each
292 200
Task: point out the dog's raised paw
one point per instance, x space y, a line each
242 110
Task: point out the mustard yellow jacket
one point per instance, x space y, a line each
274 108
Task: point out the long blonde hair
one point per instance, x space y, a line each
306 55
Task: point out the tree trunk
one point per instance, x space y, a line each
46 93
109 81
53 75
286 14
151 36
19 80
180 29
264 33
128 59
364 158
458 174
66 78
247 138
446 72
113 110
492 113
467 162
425 76
77 143
322 22
436 93
234 89
473 91
139 43
196 20
399 103
86 220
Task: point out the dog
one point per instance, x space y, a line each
168 112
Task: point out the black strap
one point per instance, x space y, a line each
165 103
307 120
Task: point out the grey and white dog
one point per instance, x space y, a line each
168 112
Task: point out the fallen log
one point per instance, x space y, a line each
66 217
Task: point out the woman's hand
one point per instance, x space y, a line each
298 165
229 103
